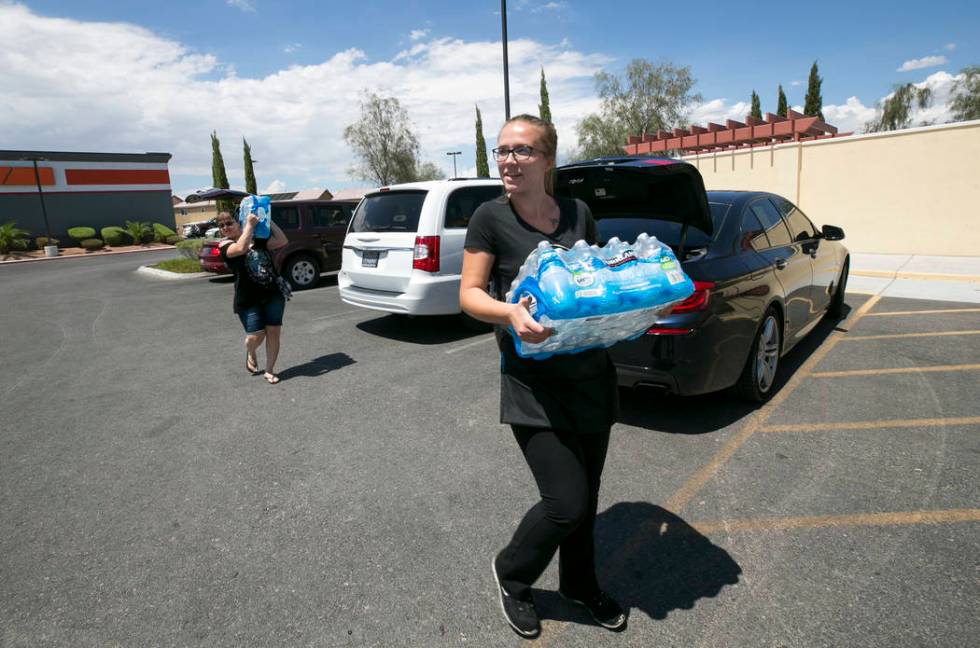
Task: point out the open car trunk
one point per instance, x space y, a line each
637 188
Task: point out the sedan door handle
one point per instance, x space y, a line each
780 264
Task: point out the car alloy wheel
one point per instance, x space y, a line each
759 373
302 272
767 354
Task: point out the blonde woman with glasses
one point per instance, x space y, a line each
560 409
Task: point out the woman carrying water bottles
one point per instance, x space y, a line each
560 409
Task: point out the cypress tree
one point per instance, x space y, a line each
756 110
249 171
782 109
813 105
482 167
219 178
544 108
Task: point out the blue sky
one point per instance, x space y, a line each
133 76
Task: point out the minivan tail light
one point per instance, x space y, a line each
698 301
426 256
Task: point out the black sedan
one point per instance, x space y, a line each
764 275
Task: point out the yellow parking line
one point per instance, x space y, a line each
927 276
873 425
895 336
822 521
895 370
694 484
925 312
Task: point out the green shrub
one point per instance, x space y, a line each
179 265
81 233
172 240
12 237
190 248
114 235
91 244
161 232
140 232
41 241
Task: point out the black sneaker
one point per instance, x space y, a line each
519 612
603 609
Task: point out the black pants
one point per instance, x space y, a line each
567 468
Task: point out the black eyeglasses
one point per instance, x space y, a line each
521 153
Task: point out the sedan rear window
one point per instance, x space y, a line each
391 211
667 232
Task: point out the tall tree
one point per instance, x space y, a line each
384 142
782 108
544 108
249 171
894 112
429 171
813 104
482 166
966 95
756 109
219 178
649 97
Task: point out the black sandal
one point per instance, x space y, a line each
271 378
252 368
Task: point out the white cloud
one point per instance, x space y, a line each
418 34
851 116
244 5
924 62
276 186
796 83
119 87
549 6
291 47
949 47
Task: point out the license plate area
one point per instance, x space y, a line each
369 258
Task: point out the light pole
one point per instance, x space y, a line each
454 154
503 39
40 194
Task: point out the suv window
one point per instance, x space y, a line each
330 216
391 211
463 202
800 226
287 218
772 222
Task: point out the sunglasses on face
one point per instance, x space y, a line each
521 153
224 224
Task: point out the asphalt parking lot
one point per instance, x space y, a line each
153 493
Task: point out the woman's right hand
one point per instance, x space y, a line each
524 325
252 219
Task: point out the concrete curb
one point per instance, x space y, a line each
158 248
919 276
166 274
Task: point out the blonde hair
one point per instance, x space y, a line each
547 144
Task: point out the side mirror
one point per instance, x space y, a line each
832 233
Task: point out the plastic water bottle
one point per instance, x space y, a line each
261 206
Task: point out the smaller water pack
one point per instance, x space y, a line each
260 206
593 297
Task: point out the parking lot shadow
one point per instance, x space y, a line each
318 366
649 559
431 329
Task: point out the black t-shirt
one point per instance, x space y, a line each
574 392
255 275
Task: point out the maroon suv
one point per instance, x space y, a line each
315 229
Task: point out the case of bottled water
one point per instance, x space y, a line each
593 297
261 207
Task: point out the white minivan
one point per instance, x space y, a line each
404 248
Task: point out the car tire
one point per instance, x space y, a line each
759 374
302 271
836 309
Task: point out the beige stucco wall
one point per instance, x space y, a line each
915 191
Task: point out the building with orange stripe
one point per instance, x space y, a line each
84 189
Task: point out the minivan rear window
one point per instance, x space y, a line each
390 211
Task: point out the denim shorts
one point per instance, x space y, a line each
257 317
